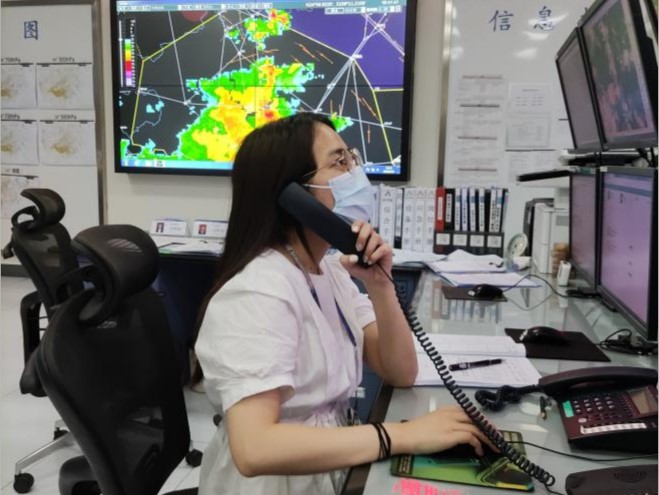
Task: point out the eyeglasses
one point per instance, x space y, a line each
349 160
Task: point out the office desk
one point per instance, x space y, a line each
438 315
183 282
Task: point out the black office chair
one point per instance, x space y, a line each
43 246
107 356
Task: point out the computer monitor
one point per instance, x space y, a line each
192 79
623 69
578 96
628 244
584 205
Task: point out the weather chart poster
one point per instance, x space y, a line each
48 118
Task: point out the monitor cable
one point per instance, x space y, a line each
628 343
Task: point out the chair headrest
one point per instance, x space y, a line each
125 261
50 209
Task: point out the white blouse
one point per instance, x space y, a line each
263 330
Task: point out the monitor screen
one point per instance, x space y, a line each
627 245
583 224
620 69
191 80
577 95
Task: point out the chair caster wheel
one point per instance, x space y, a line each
193 458
59 432
23 482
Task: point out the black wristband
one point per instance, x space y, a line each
385 441
381 440
386 434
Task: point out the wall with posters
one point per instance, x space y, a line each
505 113
48 116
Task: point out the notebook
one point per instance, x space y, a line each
515 370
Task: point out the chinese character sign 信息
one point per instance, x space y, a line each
545 23
501 20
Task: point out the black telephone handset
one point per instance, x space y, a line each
609 407
315 216
567 382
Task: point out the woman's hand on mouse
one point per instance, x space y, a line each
439 430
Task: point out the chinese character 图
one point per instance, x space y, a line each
31 30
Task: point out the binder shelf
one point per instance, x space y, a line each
473 242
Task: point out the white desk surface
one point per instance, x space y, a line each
487 318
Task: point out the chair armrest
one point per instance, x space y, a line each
30 382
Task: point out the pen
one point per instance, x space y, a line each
474 364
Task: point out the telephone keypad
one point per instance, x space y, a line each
600 411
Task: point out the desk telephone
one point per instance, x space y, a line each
610 407
312 214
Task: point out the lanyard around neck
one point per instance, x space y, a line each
314 294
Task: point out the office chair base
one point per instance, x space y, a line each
23 482
193 457
59 432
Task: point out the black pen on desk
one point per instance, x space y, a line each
474 364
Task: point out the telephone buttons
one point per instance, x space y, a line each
617 427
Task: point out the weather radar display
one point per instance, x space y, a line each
191 80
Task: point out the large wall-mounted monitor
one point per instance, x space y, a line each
623 69
584 208
578 97
192 79
628 244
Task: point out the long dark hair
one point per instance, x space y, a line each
270 158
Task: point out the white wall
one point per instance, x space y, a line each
137 199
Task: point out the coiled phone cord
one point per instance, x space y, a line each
495 401
461 398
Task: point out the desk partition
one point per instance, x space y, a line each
437 315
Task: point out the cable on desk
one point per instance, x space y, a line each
583 457
531 307
506 394
531 275
627 344
477 417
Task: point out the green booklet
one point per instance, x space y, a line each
461 465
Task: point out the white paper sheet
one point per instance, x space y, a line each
514 371
475 344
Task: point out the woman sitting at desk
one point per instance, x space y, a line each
285 331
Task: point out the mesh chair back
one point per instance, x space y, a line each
108 365
43 246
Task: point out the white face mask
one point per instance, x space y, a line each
353 196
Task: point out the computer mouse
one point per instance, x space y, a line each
466 451
485 291
543 335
